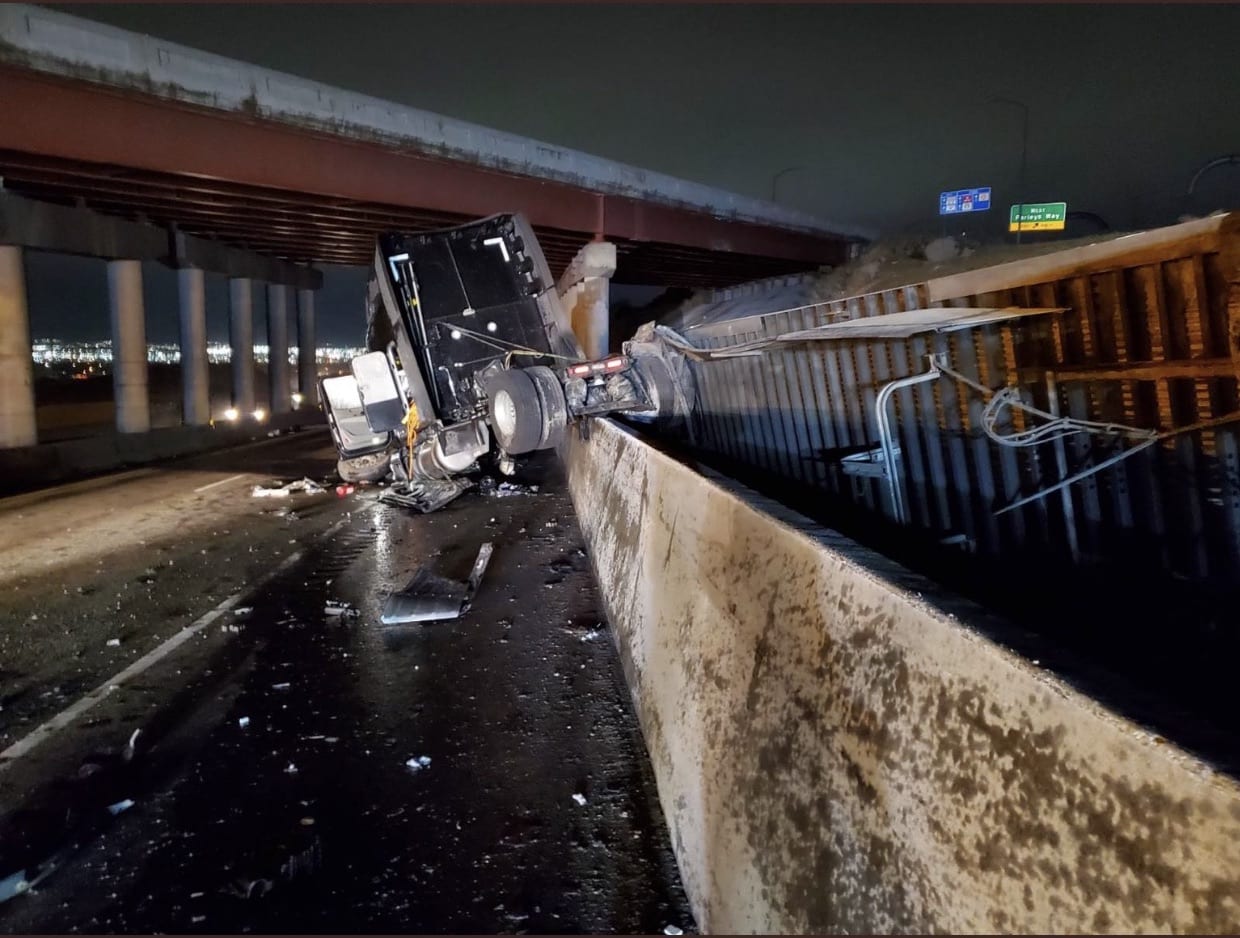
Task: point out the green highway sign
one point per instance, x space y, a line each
1038 216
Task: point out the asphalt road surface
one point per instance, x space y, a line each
190 743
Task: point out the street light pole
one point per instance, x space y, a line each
775 179
1024 154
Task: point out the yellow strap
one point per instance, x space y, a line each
411 429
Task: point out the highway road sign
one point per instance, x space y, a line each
964 200
1038 216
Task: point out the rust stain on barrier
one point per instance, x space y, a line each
838 749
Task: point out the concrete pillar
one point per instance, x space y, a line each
308 380
241 336
277 348
17 424
584 295
196 398
590 316
129 375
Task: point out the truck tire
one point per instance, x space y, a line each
554 406
369 468
515 411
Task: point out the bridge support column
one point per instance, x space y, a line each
129 368
584 293
307 365
17 423
277 348
241 337
195 377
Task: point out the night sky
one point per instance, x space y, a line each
881 106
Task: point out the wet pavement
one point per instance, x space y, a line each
295 771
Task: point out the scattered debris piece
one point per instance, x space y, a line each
579 798
337 607
492 489
202 918
291 769
114 643
243 722
429 597
123 805
591 635
418 763
343 490
307 822
282 686
304 863
302 486
131 747
241 611
13 885
672 930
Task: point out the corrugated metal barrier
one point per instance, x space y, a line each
1147 338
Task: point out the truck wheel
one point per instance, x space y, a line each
515 411
369 468
554 406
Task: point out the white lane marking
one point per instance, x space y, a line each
211 485
75 710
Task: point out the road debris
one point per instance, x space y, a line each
492 489
344 489
13 885
243 722
579 798
672 930
290 769
340 608
283 685
302 486
114 643
120 806
418 763
430 598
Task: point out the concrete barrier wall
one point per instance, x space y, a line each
841 747
31 467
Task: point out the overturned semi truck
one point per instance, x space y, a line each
471 359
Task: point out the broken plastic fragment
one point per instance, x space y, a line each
124 805
579 798
283 686
114 642
291 769
305 486
243 722
672 930
13 885
418 763
336 607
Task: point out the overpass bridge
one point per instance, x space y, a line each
126 147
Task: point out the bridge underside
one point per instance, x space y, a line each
313 196
315 229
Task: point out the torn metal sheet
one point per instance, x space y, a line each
432 598
425 496
901 325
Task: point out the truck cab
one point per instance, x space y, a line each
472 361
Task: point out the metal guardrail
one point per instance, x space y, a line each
1145 341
